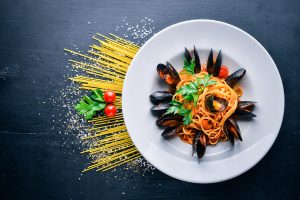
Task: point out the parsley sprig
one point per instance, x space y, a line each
89 106
178 108
189 66
190 92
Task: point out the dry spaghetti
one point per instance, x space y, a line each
106 66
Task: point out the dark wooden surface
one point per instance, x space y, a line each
34 163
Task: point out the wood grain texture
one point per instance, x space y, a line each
34 164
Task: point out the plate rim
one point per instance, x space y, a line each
263 154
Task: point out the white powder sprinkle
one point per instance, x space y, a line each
70 124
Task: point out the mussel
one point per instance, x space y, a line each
244 109
233 128
170 131
199 144
246 105
210 62
197 68
160 108
229 135
160 97
187 55
168 73
244 113
214 68
235 77
215 104
169 120
196 140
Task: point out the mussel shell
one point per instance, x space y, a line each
201 146
229 135
244 113
217 65
233 128
235 77
160 108
160 97
187 55
210 62
196 140
169 120
168 73
169 132
209 103
197 68
246 105
174 74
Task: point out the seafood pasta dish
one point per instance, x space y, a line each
203 102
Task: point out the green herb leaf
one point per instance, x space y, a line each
189 67
172 110
97 95
195 98
183 111
187 89
190 92
187 119
90 106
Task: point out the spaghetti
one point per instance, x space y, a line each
210 123
202 102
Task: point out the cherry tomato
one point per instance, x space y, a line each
224 72
109 96
110 110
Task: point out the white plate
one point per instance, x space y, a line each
262 83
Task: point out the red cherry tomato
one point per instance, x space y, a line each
224 72
109 96
110 110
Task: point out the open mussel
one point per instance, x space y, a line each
170 132
244 109
246 105
229 135
160 108
199 144
197 68
169 120
235 77
215 104
233 128
244 113
214 68
168 73
161 97
188 57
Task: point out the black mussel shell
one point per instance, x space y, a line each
210 62
229 135
244 113
187 55
246 105
160 108
217 65
196 140
233 128
161 97
235 77
201 146
169 120
215 104
197 68
169 132
168 73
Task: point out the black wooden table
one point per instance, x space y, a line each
35 160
